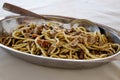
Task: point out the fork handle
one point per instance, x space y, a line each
19 10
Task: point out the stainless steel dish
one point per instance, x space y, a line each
9 24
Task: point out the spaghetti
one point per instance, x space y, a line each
52 40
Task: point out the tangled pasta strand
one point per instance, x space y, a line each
52 40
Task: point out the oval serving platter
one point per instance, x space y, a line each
9 24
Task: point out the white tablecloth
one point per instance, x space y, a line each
102 11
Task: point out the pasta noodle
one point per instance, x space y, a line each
52 40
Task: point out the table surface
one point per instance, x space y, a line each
101 11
